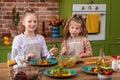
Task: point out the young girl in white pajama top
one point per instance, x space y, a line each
29 43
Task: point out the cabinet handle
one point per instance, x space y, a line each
118 42
118 38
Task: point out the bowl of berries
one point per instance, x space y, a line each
26 73
105 73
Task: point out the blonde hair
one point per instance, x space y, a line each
21 27
79 19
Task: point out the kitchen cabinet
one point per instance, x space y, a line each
96 46
112 42
113 24
4 50
112 47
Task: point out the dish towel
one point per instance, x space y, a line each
92 23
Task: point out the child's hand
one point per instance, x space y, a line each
63 50
30 56
53 51
80 54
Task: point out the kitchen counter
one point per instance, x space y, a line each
5 74
52 40
47 39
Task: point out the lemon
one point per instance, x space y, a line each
6 38
6 43
68 74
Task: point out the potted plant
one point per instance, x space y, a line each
15 21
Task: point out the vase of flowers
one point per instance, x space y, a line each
55 31
56 27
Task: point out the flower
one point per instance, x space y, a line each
56 22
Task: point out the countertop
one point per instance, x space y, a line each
47 39
81 75
51 40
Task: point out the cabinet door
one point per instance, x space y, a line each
113 25
4 50
113 28
96 46
113 47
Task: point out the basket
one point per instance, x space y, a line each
27 73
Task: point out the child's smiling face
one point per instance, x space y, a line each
30 22
74 29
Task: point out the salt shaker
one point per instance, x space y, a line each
115 65
119 64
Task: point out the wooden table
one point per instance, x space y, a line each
5 74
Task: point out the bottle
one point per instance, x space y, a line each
101 61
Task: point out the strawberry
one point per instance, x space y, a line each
106 73
20 76
92 69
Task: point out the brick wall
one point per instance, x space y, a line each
47 9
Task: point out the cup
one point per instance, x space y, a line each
10 62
